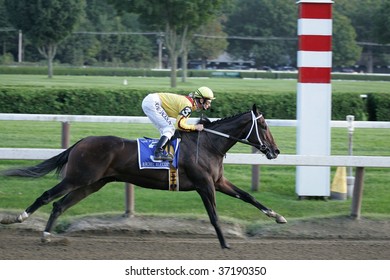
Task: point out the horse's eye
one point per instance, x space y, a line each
263 126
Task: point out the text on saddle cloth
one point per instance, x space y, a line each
145 154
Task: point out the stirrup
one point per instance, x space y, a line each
162 155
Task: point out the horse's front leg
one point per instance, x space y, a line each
208 197
226 187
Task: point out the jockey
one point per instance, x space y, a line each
162 105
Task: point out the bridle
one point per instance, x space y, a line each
260 146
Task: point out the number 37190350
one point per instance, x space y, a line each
227 270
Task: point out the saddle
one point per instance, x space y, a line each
146 159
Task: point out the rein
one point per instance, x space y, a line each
259 146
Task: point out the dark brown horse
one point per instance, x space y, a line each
93 162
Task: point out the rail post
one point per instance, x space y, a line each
65 138
20 47
314 94
255 174
350 178
129 200
357 193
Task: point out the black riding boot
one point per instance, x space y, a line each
159 152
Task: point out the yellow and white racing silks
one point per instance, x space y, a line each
179 107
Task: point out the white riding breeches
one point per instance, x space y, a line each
151 105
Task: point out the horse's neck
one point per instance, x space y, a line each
235 127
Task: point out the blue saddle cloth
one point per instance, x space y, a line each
145 154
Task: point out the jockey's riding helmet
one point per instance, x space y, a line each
204 92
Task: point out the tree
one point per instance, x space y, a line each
344 47
209 42
363 15
8 37
383 22
383 31
205 46
104 37
176 18
46 23
272 24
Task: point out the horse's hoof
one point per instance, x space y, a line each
280 219
49 239
19 219
46 237
22 217
225 246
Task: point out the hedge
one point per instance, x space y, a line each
378 106
127 102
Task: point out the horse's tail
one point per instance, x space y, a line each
57 162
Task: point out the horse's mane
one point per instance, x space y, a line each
207 122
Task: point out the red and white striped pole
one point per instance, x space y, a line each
314 93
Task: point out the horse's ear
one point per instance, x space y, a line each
204 120
254 109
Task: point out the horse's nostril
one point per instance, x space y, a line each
277 151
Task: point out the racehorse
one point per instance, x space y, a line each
94 161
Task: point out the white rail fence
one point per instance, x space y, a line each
360 162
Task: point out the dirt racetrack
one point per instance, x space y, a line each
160 238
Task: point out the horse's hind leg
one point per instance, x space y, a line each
226 187
71 199
57 191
